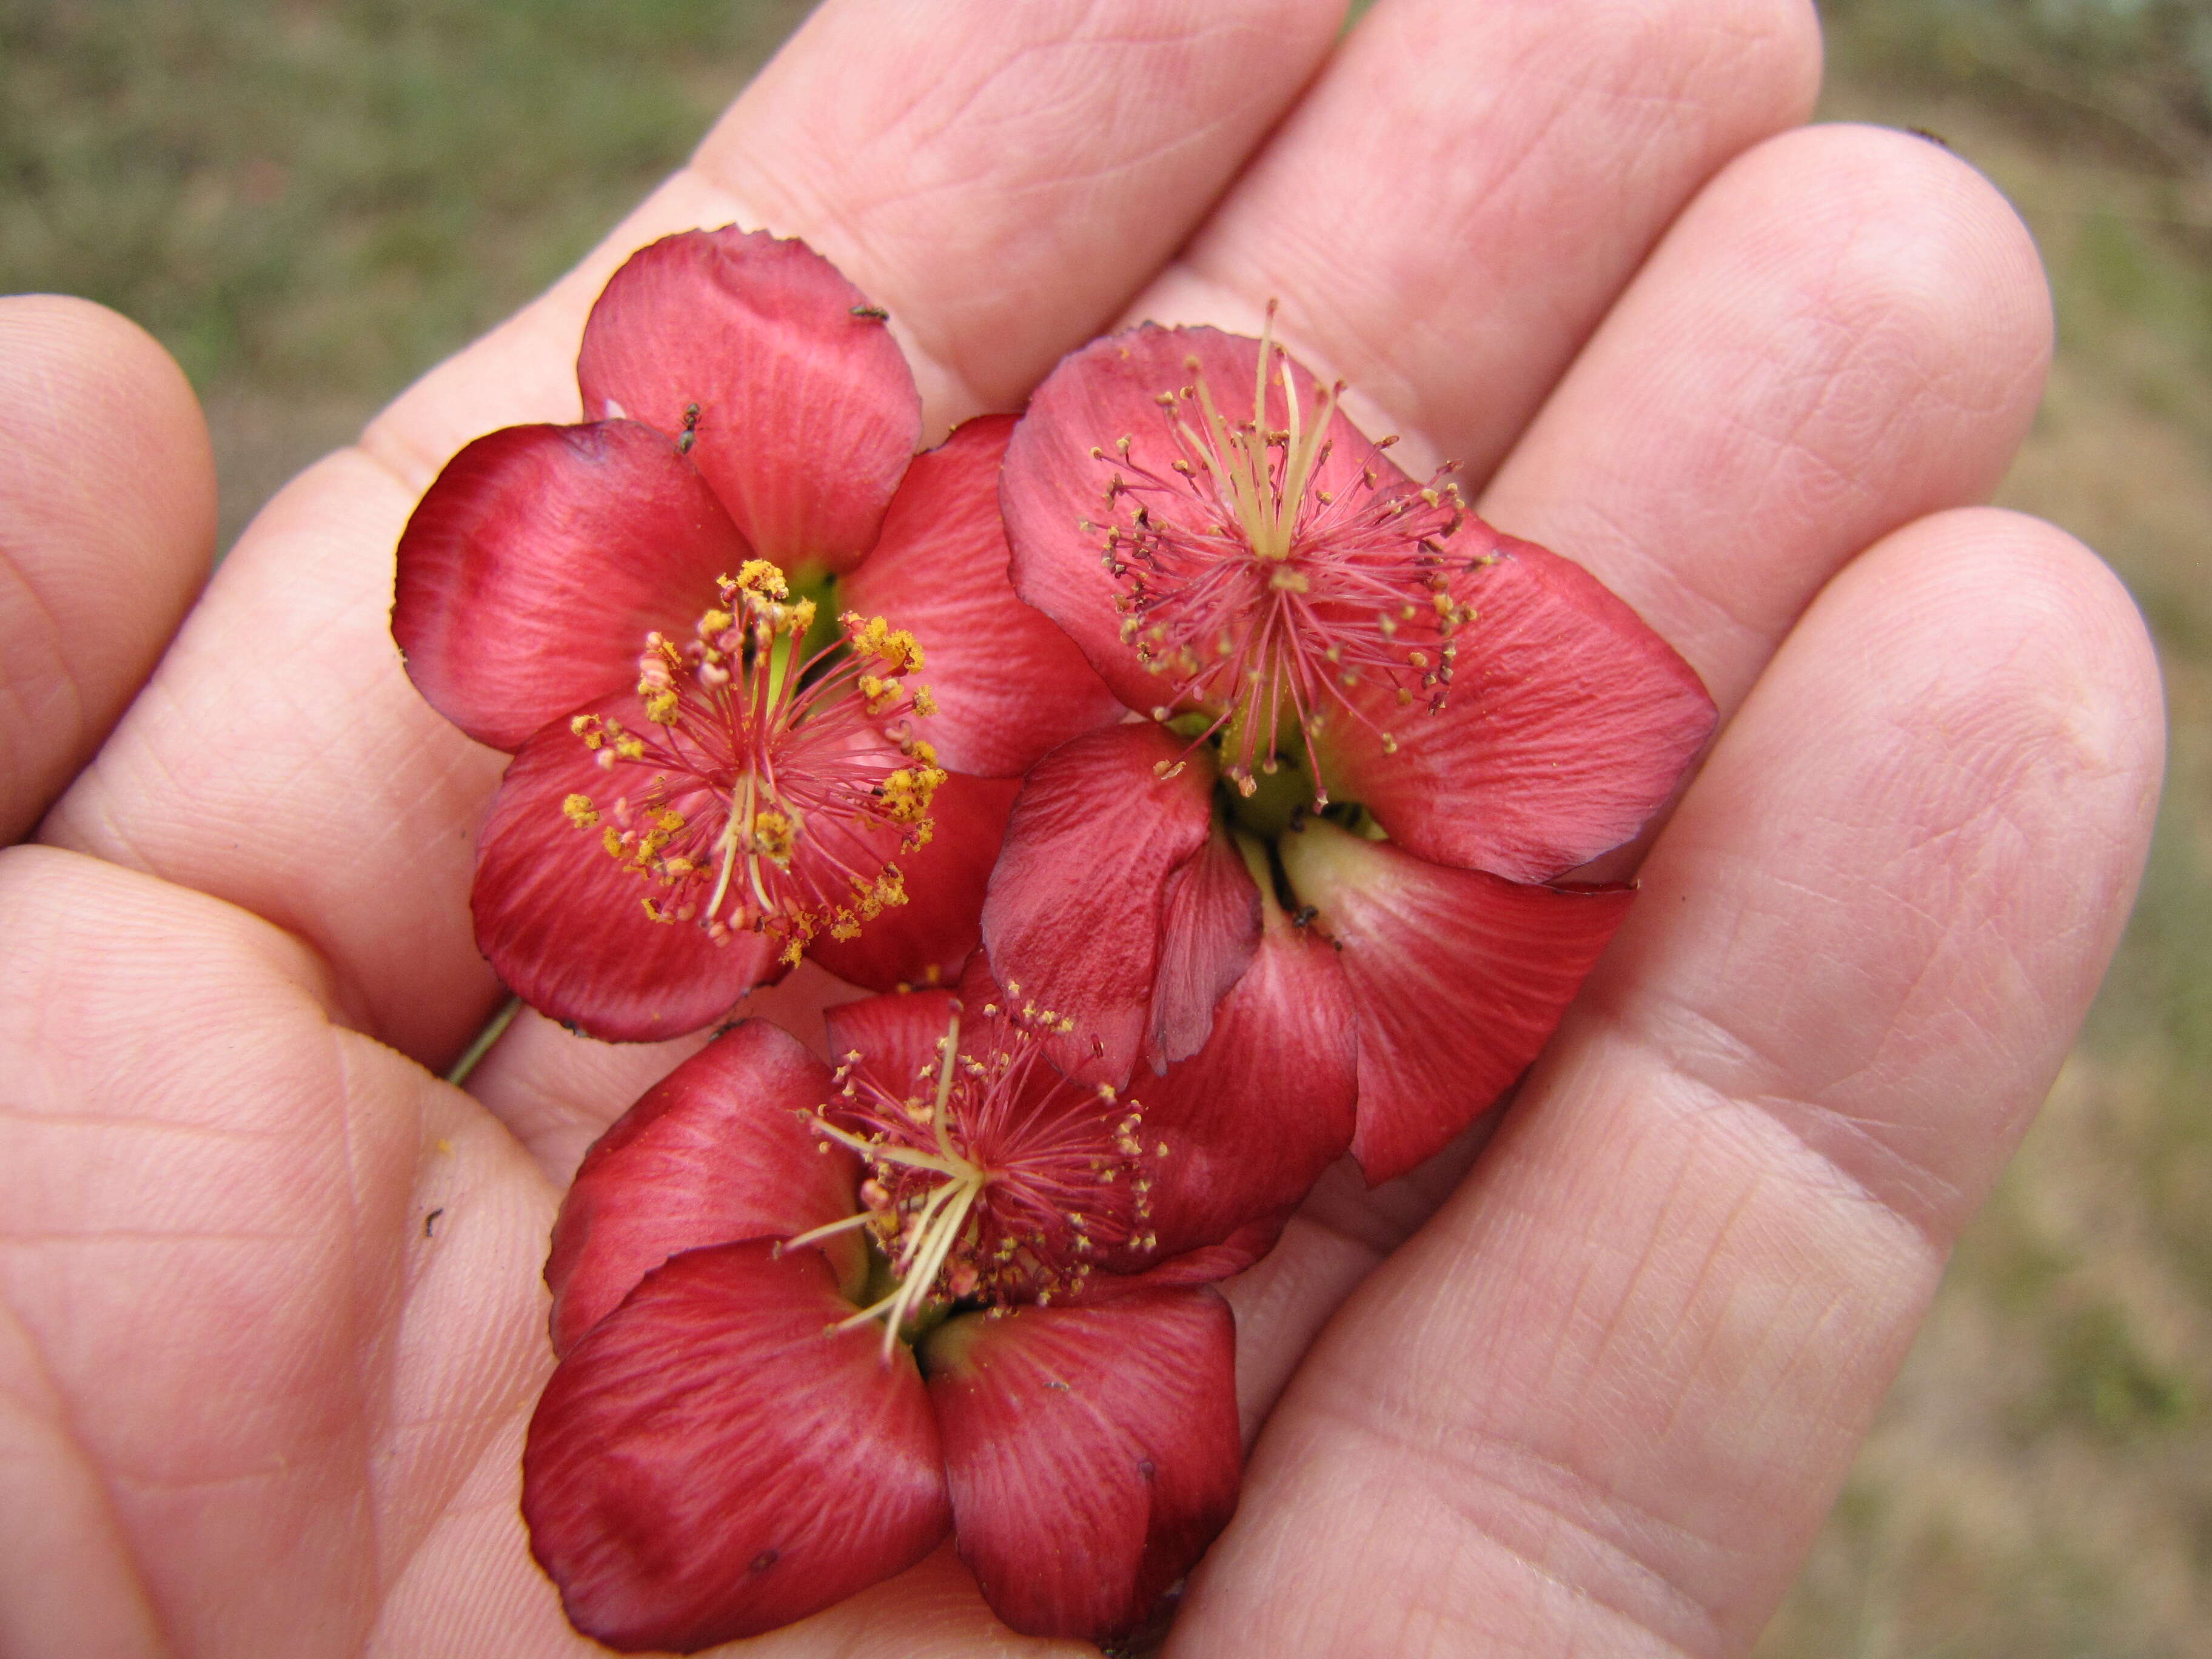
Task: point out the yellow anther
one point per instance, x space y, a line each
630 748
580 811
660 705
896 648
906 793
714 623
762 577
586 727
923 702
774 835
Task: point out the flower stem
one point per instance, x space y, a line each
477 1050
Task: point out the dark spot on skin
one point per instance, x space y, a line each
765 1560
430 1222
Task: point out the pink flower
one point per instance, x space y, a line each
810 1322
1408 723
699 621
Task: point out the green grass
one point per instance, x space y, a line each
308 203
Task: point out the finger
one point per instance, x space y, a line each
1846 330
1000 181
107 529
271 1324
1449 213
278 1284
557 1091
316 790
1603 1399
1849 329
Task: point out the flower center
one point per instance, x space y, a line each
994 1179
1264 600
761 787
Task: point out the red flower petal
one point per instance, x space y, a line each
1250 1120
925 939
712 1153
1092 1453
1053 485
535 566
807 412
566 926
1009 685
1074 912
896 1037
709 1463
1459 976
1209 928
1569 724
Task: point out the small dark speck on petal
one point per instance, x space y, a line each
1146 1468
765 1560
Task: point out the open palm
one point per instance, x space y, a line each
272 1318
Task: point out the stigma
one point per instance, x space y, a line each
992 1180
765 790
1267 589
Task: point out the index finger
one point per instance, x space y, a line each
1001 180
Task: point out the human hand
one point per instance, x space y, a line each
276 1324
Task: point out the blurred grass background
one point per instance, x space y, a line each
310 201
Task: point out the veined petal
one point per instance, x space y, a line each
806 412
1250 1120
566 926
1459 977
533 569
896 1037
1568 723
1054 488
712 1153
1209 928
1073 916
924 940
1092 1452
1009 685
712 1461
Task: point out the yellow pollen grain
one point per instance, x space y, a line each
714 623
580 811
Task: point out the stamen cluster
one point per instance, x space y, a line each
1259 596
993 1180
771 781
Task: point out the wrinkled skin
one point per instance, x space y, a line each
273 1319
